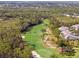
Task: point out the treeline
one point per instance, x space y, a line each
12 24
11 42
15 21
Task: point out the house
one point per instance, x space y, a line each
67 34
75 27
66 15
63 28
77 16
74 37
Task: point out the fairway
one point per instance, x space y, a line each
34 36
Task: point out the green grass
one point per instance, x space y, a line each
34 37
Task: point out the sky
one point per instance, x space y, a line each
39 0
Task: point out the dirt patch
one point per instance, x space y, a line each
49 39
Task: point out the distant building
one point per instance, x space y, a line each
72 15
77 16
75 27
66 15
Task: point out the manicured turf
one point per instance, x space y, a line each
34 37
